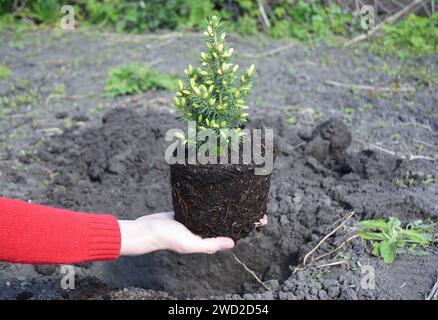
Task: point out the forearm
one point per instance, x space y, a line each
37 234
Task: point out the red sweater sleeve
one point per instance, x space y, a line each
36 234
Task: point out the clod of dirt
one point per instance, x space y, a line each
328 144
61 115
139 294
219 200
46 270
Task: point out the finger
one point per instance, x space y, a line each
263 221
209 245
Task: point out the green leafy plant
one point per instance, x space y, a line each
131 15
412 37
214 93
44 11
309 20
135 78
389 238
299 19
4 72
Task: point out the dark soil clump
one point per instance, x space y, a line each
219 200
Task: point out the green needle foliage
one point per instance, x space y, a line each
389 238
214 93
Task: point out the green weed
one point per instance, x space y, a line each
4 72
135 78
44 11
297 19
414 36
389 238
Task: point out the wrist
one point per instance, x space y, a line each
130 234
136 239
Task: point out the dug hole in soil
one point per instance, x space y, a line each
119 168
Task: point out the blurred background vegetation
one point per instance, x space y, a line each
311 20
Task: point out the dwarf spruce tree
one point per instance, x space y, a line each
214 93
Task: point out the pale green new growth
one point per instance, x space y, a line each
214 93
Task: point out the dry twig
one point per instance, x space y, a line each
369 88
141 38
433 293
394 154
251 272
52 131
331 264
270 52
421 125
298 145
263 14
337 248
305 264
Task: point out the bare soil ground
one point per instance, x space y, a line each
63 144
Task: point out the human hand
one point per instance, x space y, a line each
160 231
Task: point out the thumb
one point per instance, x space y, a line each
209 245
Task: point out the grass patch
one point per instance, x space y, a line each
135 78
389 239
5 72
414 36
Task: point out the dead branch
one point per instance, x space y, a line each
263 14
369 88
270 52
154 62
160 101
337 248
298 145
156 45
52 131
141 38
332 264
421 125
394 154
433 293
251 272
348 217
65 97
388 20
